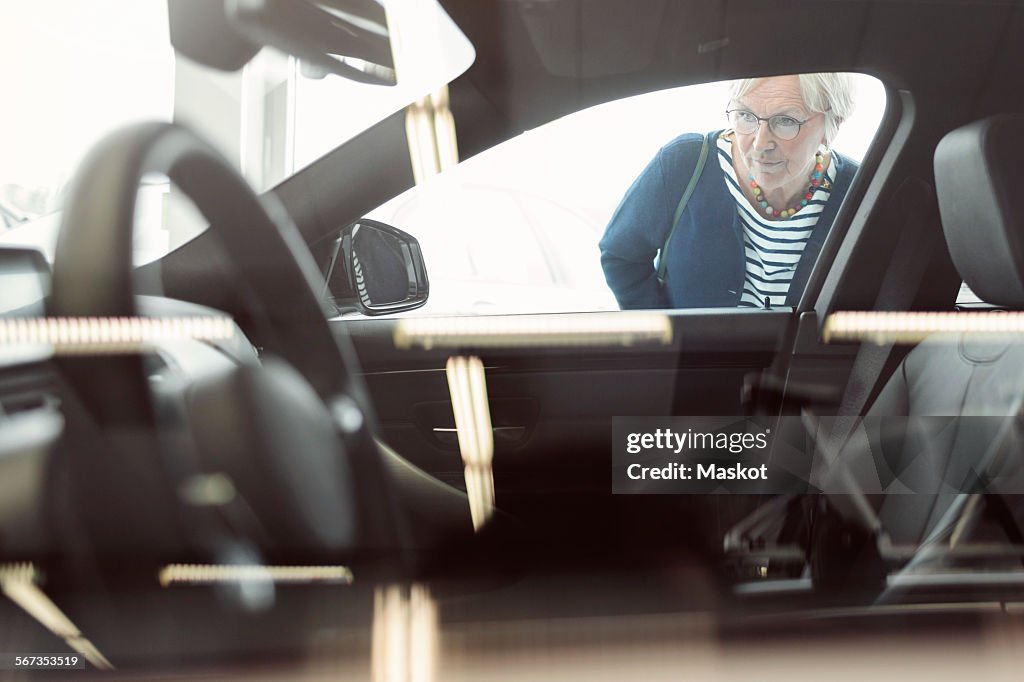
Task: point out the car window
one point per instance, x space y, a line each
565 184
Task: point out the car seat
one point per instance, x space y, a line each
978 383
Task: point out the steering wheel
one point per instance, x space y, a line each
290 435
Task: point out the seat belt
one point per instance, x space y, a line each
846 533
913 252
910 258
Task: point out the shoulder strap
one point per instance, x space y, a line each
915 203
698 169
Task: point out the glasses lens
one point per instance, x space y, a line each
743 122
784 127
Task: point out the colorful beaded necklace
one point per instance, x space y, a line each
816 180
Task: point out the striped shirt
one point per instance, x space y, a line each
773 247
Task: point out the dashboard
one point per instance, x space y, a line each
37 408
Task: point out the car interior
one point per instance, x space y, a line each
278 490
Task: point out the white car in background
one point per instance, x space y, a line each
500 250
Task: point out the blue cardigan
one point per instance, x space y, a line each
706 264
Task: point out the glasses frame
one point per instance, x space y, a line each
799 124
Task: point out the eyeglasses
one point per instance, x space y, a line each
782 126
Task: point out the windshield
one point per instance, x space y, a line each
75 71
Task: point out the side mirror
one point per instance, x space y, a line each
376 269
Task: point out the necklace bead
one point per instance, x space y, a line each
815 181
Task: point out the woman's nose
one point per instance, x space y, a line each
763 137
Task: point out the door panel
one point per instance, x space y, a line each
553 408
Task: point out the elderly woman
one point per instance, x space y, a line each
743 225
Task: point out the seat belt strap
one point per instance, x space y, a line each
903 276
910 259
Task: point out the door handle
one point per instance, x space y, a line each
507 435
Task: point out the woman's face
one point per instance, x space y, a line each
777 163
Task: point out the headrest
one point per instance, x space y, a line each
979 178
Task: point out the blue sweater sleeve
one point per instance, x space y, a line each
632 239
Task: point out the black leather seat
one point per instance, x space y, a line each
978 384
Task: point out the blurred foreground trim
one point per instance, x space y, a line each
467 385
18 582
911 327
406 634
568 330
208 574
100 335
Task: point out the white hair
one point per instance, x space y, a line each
833 94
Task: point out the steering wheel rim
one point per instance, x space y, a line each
92 276
93 258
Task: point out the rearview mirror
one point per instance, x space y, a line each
345 37
376 269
